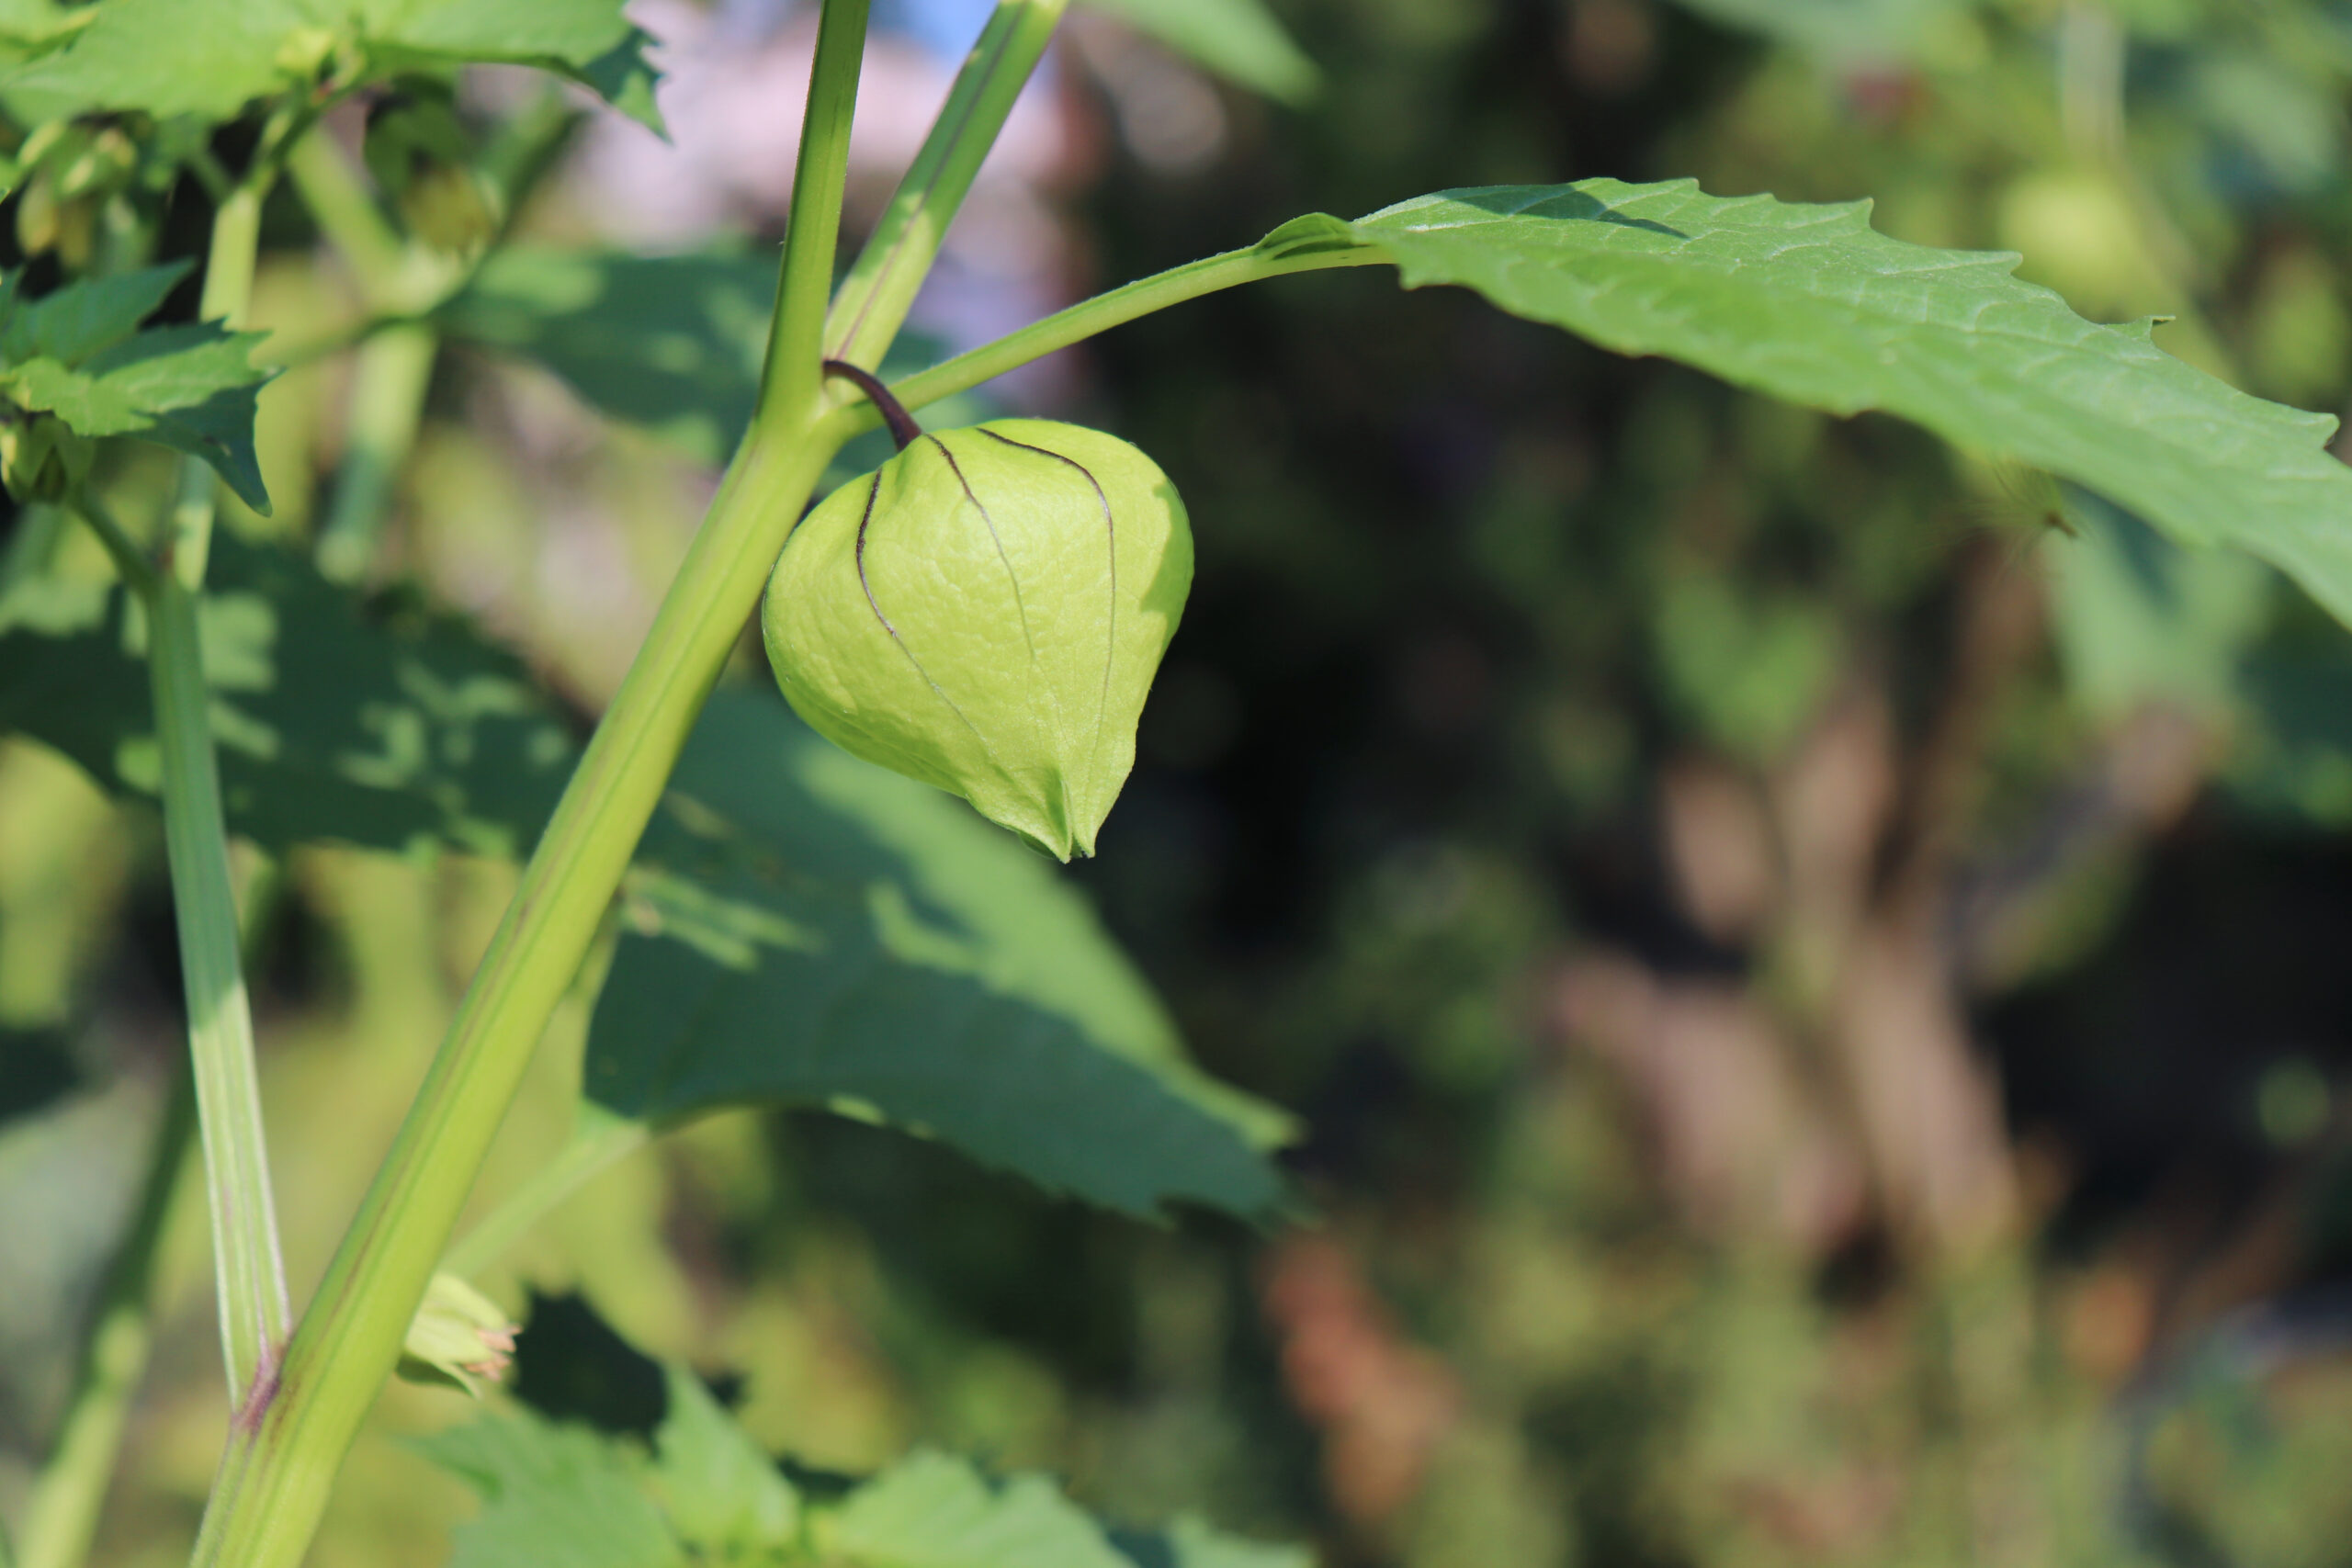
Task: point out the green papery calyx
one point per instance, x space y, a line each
985 613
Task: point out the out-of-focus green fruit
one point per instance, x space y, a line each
985 613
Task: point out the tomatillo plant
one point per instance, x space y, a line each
983 613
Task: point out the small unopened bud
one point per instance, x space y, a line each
458 1338
985 613
41 458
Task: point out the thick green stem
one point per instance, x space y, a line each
600 1139
251 1275
283 1455
387 404
67 1499
880 289
789 380
275 1479
1104 311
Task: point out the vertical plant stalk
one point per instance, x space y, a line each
394 365
283 1451
249 1270
389 384
400 278
63 1518
880 289
346 215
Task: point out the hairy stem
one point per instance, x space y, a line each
281 1462
881 287
1118 307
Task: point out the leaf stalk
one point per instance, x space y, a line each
1103 311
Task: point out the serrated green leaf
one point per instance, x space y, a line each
191 388
1812 305
810 929
724 1496
669 342
210 58
624 78
166 57
72 323
1239 40
553 1497
563 1497
932 1511
47 387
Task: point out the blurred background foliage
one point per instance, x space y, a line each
1811 969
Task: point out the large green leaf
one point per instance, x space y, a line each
847 937
1237 38
809 927
669 342
566 1496
554 1496
210 58
724 1498
72 323
388 729
932 1511
29 26
1811 304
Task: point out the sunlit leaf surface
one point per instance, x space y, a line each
559 1496
1812 305
565 1496
809 928
76 352
210 58
668 343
